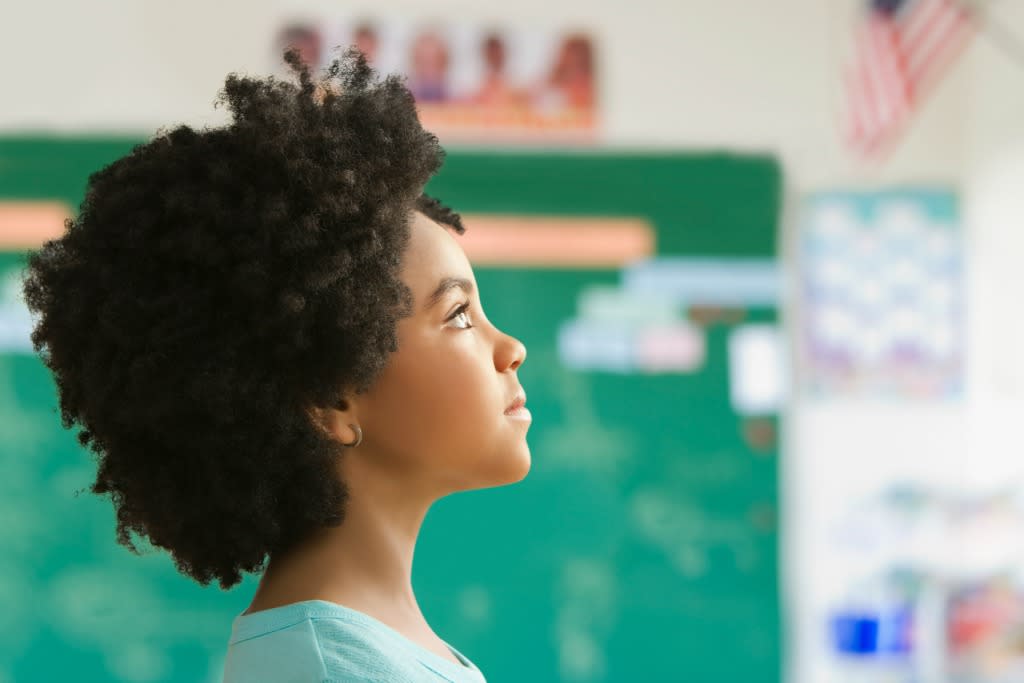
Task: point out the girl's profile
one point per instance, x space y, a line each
274 346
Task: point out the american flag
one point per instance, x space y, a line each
900 50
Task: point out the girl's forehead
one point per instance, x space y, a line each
432 255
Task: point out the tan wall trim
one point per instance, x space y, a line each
27 224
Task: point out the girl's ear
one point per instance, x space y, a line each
335 421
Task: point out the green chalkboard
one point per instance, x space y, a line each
642 545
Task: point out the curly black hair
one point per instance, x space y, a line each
218 284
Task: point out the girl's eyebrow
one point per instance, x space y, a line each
445 285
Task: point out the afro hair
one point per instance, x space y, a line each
218 284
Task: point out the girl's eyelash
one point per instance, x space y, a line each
458 311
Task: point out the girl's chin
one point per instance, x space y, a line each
519 466
512 469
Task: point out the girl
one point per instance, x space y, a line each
275 346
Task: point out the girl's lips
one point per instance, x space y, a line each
518 408
518 402
520 413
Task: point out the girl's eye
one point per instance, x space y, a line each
462 317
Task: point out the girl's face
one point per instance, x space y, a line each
436 418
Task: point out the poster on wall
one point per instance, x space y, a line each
882 295
473 82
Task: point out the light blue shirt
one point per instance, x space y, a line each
315 641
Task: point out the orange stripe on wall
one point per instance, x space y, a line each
544 241
26 224
490 239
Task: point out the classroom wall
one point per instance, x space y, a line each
739 74
682 73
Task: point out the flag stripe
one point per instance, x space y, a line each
926 61
879 100
939 61
921 53
920 22
887 44
862 104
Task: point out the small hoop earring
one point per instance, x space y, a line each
359 437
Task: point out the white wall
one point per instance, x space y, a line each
994 199
732 73
970 137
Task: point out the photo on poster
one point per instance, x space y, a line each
473 82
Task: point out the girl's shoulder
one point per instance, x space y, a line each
324 642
